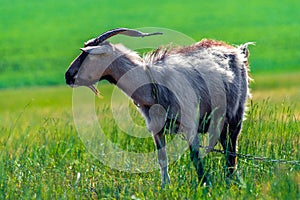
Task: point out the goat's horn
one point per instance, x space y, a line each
123 31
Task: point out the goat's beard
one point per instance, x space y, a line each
95 90
89 84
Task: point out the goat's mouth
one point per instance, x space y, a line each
95 90
77 82
92 87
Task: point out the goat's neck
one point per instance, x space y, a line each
128 73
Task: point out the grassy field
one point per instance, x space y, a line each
42 155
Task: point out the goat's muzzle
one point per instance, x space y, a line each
70 79
73 81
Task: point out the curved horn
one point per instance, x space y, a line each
123 31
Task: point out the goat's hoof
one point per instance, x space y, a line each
235 179
205 182
207 188
165 183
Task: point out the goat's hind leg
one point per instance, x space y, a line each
160 142
228 140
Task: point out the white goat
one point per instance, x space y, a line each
202 88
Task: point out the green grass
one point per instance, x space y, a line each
40 39
41 154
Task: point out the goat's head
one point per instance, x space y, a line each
95 57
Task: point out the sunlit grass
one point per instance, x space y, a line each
42 156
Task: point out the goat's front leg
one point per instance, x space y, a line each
196 158
160 142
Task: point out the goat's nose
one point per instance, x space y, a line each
69 78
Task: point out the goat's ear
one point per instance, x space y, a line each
95 49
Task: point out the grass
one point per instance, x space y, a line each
42 156
40 39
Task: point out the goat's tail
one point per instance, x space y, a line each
244 49
244 52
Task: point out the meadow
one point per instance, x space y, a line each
42 155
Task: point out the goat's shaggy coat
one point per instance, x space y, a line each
201 88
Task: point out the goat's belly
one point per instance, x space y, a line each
173 127
203 125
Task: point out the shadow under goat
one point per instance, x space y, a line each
195 89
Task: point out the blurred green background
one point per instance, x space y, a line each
38 39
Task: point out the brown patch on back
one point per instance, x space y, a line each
206 43
184 50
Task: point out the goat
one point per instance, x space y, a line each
202 87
